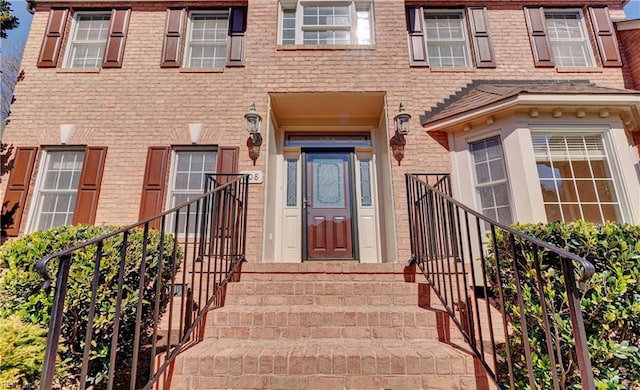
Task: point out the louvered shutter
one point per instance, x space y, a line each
114 49
482 46
415 31
605 36
153 186
227 161
172 45
237 28
89 185
542 55
17 189
52 42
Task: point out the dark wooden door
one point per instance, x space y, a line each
328 205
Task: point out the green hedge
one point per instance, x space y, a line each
22 295
22 349
610 303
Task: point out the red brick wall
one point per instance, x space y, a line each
140 104
630 47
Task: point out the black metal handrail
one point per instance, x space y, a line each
458 251
200 245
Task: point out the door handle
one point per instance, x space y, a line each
305 202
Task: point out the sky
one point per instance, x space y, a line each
19 7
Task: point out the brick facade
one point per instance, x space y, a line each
140 104
629 36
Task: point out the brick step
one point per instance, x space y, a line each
338 271
351 363
322 288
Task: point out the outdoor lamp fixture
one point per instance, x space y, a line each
253 128
398 141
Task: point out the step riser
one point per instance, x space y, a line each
279 300
245 332
320 288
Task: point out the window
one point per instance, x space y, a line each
86 45
340 23
569 41
492 187
560 37
212 39
575 178
188 180
446 36
441 38
56 192
96 39
207 40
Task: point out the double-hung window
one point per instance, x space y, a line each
88 39
492 187
449 38
323 23
568 38
207 40
204 39
55 199
188 180
447 41
575 178
562 37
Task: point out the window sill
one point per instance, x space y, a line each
579 70
324 47
78 70
198 70
451 69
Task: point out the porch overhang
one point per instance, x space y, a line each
483 103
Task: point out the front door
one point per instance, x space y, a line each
328 205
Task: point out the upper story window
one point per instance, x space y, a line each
88 39
96 40
568 38
443 38
322 23
446 35
561 37
207 39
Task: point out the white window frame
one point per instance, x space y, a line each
189 41
172 182
466 45
585 41
73 42
478 186
526 199
35 212
354 7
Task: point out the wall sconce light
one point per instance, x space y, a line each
253 128
195 129
66 131
397 142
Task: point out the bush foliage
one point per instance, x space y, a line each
21 352
22 295
610 303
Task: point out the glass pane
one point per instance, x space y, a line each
586 191
571 211
328 183
365 183
549 192
611 212
567 191
553 212
292 183
606 192
591 213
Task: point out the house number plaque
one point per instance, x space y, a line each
255 177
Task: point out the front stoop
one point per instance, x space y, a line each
327 326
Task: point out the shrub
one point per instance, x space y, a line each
21 291
610 303
21 352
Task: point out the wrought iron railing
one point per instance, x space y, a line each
196 250
482 271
